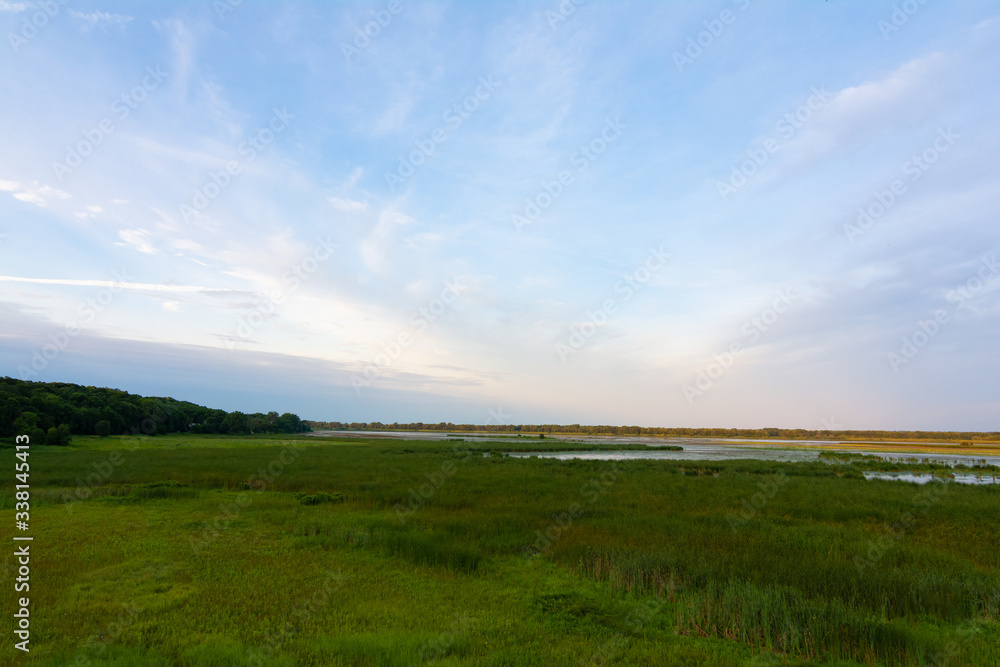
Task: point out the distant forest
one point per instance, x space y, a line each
53 412
788 434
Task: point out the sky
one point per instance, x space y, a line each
724 214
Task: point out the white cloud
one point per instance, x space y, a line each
39 195
394 118
138 239
13 7
914 91
172 306
146 287
182 42
102 19
348 204
188 245
355 175
902 87
376 245
89 212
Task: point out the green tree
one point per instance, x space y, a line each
63 435
27 422
52 436
235 423
103 428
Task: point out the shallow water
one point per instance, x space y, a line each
723 452
924 478
698 452
695 449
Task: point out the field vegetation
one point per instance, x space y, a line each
294 550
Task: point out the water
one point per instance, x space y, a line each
924 478
726 452
691 453
701 449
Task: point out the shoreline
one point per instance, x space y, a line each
902 446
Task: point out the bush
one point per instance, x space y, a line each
60 436
319 497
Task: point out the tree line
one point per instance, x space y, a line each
52 412
577 429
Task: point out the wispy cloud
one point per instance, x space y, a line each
145 287
138 239
33 193
348 204
268 200
98 19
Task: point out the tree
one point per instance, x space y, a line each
52 436
235 423
290 423
103 428
63 435
27 422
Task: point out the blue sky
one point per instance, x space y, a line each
736 214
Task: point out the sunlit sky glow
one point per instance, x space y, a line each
570 218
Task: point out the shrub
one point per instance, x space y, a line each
319 497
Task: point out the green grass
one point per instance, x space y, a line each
205 551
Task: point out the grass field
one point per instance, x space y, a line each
200 550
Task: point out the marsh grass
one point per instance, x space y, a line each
779 587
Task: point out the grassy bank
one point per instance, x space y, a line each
309 551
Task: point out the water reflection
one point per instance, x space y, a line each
723 452
924 478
